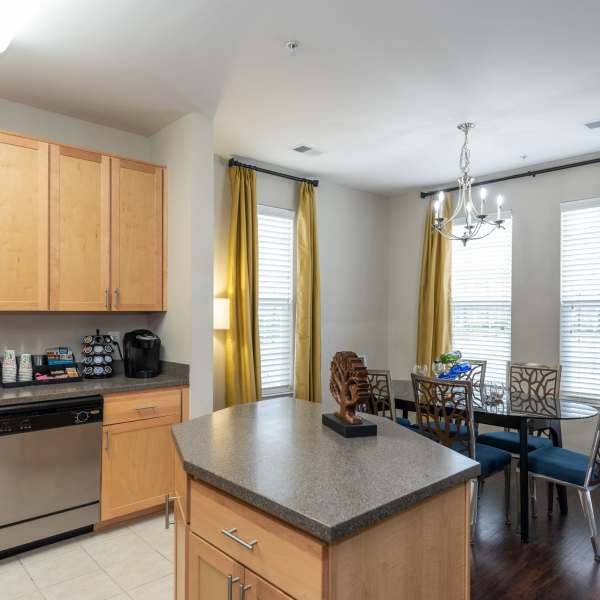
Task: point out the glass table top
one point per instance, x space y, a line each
569 409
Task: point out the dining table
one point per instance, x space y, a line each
503 414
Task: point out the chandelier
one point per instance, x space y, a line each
477 223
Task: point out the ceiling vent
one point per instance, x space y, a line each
302 149
307 150
593 125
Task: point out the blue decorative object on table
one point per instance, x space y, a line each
455 371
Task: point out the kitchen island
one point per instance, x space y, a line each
270 504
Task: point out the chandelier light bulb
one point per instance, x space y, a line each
440 197
483 193
499 201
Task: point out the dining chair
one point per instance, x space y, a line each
444 408
533 389
477 376
382 398
572 469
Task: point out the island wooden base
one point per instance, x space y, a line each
420 553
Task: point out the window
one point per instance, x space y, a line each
481 299
276 299
580 299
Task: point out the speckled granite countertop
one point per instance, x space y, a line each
277 456
172 374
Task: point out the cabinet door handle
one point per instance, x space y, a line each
168 500
243 590
107 298
230 581
107 441
230 533
117 298
141 408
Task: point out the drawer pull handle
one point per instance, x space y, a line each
141 408
230 533
230 581
243 590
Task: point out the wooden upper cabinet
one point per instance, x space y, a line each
23 224
137 236
79 230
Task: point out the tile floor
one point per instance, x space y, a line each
131 562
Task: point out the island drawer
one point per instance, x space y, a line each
290 559
137 406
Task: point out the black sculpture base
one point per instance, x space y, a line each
364 429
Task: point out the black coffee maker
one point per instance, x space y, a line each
142 354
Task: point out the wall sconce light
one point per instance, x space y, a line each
221 314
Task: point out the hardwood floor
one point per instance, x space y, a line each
558 563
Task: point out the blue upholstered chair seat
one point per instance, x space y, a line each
491 459
509 441
404 422
559 463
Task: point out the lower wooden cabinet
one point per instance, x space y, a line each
137 465
138 452
215 576
256 588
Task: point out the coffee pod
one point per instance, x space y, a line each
88 339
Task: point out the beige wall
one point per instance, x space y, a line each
535 205
353 256
35 122
185 147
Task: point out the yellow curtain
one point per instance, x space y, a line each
307 371
435 310
242 347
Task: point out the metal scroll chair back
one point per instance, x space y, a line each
382 398
534 388
443 408
477 377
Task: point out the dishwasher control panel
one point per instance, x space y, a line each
50 415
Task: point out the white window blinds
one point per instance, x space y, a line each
481 299
580 299
276 299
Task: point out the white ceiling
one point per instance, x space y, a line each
377 86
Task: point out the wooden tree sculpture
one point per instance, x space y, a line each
349 385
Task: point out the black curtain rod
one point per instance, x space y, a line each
583 163
235 163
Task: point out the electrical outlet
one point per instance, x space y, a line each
115 335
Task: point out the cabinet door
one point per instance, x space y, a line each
212 574
256 588
181 552
79 230
136 236
137 465
23 224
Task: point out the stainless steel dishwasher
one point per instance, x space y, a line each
50 457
